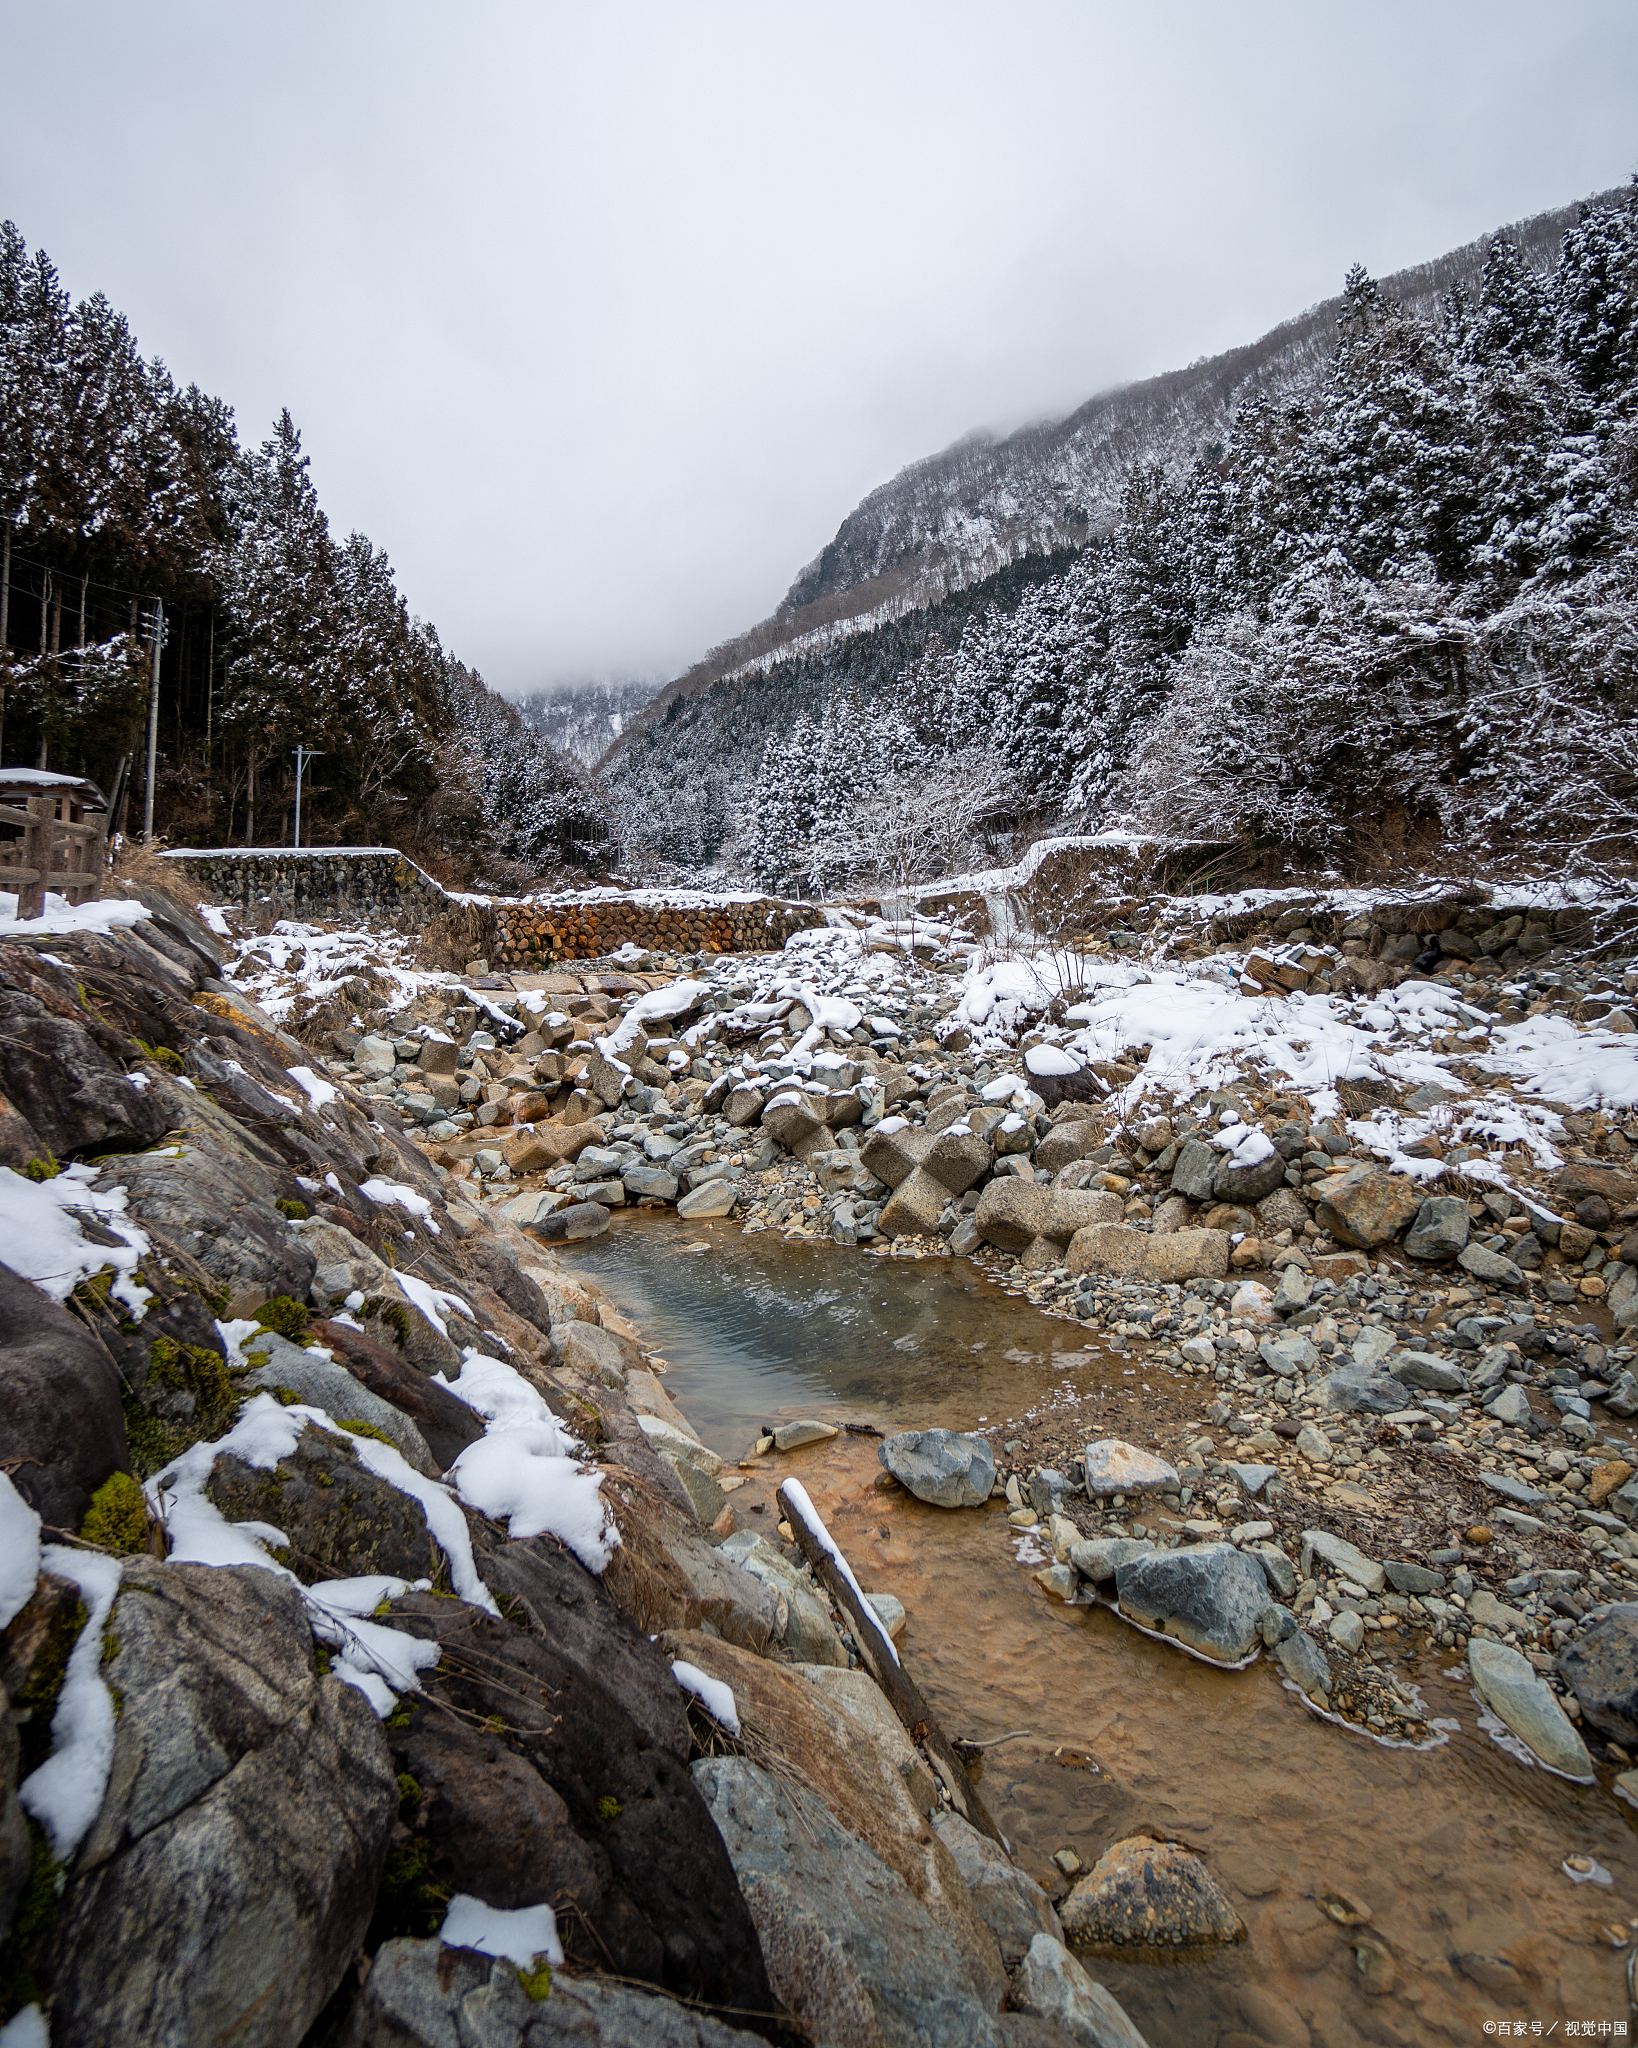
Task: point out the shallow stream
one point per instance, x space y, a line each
1444 1866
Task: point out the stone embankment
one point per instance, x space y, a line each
370 1672
373 884
536 931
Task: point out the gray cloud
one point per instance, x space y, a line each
600 319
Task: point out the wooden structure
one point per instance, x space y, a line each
53 835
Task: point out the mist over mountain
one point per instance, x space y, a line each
585 719
1222 588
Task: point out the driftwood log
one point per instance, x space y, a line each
881 1659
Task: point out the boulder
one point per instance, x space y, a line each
894 1150
1128 1254
711 1198
1339 1556
1072 1209
1011 1904
626 1828
1290 1355
1116 1467
1285 1209
941 1466
1440 1230
598 1353
1053 1986
446 1424
955 1159
650 1183
1234 1182
1510 1406
1011 1213
539 1148
1195 1171
743 1107
811 1718
1098 1558
1427 1370
915 1206
1366 1206
1362 1390
1210 1597
1490 1267
61 1428
421 1995
1145 1900
1512 1690
229 1876
338 1519
219 1208
1066 1143
1304 1663
1600 1666
850 1951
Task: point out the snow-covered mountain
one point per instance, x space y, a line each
957 517
585 719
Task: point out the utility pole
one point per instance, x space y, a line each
303 756
156 630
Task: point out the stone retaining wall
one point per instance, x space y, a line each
373 882
526 933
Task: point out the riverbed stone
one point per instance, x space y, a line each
1234 1182
1356 1389
850 1951
1366 1206
941 1466
1490 1267
714 1198
1600 1666
1147 1900
1406 1576
1290 1355
1123 1253
1511 1406
1113 1466
1427 1370
1512 1690
1053 1986
1195 1170
573 1225
1210 1597
1338 1555
1304 1663
1098 1558
792 1436
1440 1230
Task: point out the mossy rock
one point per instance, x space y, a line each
117 1519
285 1316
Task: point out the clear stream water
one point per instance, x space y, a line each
1452 1857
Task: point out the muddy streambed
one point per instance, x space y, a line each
1444 1866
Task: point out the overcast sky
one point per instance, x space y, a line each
600 318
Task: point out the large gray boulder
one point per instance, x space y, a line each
941 1466
850 1950
892 1155
220 1209
1149 1901
422 1995
61 1430
955 1159
805 1627
229 1877
1600 1666
1211 1597
64 1092
1195 1172
1128 1254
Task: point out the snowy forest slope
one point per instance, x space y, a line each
1390 605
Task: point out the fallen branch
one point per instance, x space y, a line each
881 1659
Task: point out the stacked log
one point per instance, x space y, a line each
530 934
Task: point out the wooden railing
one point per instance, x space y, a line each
63 847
